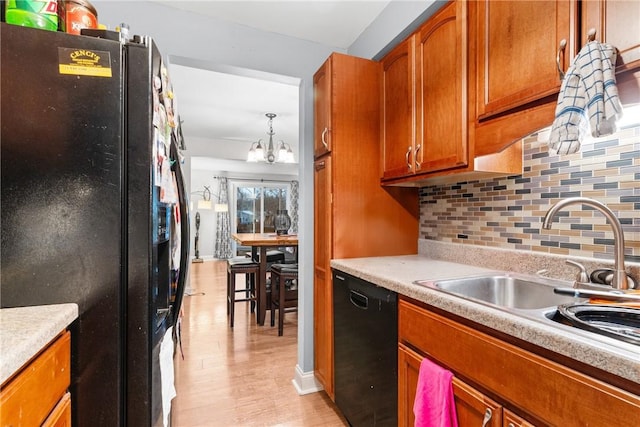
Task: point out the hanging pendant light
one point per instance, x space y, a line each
259 153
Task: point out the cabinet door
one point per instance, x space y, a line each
398 111
322 289
517 46
616 22
61 414
441 75
509 419
322 109
408 371
474 408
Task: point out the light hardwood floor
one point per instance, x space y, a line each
239 377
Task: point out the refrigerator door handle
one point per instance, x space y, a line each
184 234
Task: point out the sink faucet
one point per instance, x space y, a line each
620 275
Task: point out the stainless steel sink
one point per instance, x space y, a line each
504 291
532 297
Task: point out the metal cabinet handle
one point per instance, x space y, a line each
320 165
561 48
511 425
322 137
487 417
406 158
418 164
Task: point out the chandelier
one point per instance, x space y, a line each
259 153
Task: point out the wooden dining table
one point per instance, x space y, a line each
261 242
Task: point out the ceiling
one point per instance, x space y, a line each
224 112
303 19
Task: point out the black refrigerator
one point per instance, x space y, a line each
94 208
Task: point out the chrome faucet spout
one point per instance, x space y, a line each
620 275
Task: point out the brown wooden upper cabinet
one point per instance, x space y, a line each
519 51
322 109
441 77
518 46
399 153
460 93
424 98
616 22
522 44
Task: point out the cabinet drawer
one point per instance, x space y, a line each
29 398
542 388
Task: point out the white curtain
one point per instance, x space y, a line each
293 199
223 224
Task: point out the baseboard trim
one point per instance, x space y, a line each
305 382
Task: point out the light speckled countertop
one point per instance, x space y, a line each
399 272
24 331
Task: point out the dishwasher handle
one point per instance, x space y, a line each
359 300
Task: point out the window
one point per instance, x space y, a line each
256 205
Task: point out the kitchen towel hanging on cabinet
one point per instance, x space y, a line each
588 101
434 404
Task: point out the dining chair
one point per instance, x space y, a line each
241 265
273 256
284 292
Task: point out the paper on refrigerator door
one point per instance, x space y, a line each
166 375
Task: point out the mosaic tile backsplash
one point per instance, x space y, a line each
507 212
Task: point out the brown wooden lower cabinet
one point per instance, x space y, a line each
38 394
518 387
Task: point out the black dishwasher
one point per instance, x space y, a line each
365 351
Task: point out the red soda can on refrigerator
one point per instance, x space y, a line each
76 15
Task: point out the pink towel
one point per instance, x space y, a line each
434 405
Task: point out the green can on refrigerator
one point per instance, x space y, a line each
33 13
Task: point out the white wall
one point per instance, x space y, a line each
184 34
